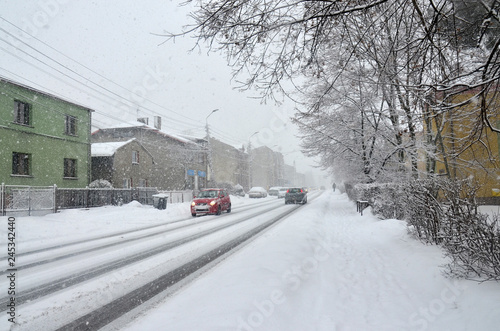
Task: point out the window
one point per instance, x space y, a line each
142 183
22 113
135 156
126 183
69 168
70 125
21 164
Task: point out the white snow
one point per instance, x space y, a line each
324 267
108 148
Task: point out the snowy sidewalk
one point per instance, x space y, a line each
328 268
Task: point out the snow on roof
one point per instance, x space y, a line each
133 124
10 81
107 149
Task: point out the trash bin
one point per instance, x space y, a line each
160 201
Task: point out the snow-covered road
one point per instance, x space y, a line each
63 281
324 267
328 268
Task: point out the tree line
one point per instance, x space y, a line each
376 83
368 77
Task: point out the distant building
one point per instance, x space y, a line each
44 140
267 167
179 163
229 164
124 164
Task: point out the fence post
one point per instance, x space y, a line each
29 200
54 207
86 197
2 199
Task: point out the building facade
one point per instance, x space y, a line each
179 163
466 148
44 140
267 167
124 164
229 164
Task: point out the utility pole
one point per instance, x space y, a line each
250 160
209 155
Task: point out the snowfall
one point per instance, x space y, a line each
324 267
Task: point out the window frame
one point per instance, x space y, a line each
70 125
70 168
25 166
135 157
22 116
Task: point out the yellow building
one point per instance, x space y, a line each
466 145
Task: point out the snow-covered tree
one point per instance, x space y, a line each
397 58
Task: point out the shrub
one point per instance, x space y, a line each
100 183
442 211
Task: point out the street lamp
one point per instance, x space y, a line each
209 163
206 119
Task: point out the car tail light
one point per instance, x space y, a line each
287 191
301 191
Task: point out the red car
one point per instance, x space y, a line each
211 201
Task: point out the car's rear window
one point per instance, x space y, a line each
294 190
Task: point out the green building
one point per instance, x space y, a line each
44 140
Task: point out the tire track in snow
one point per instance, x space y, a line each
63 283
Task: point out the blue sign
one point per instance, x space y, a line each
202 173
190 172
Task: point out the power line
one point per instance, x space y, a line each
52 75
76 73
219 133
84 66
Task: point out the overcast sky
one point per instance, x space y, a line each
100 53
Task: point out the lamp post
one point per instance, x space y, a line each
209 156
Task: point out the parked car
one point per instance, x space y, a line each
211 201
295 195
238 190
257 192
282 192
273 191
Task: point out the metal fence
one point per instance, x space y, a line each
17 200
96 197
27 200
178 196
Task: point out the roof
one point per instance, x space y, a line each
136 124
109 148
9 81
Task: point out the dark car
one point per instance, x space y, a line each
211 201
295 195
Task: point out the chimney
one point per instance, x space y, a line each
144 120
157 122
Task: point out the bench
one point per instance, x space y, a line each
361 205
